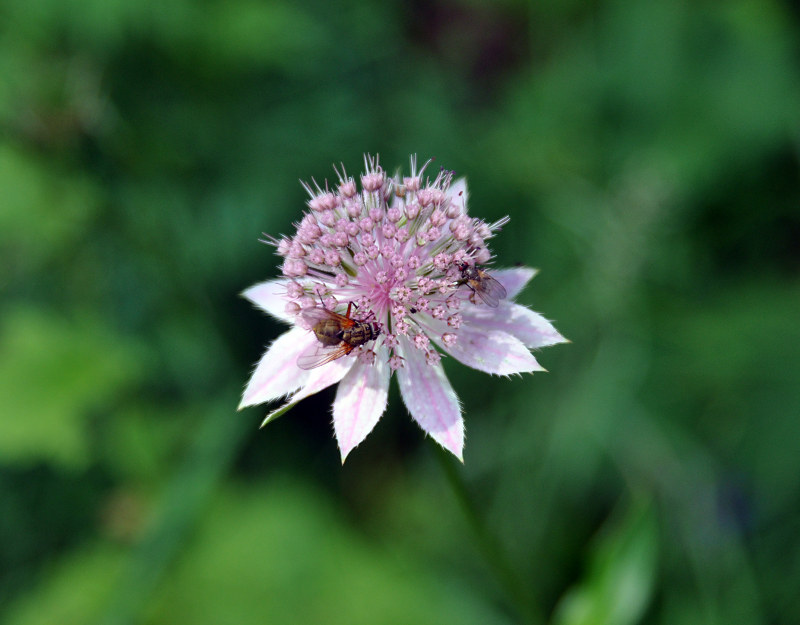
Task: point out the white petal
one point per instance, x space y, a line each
318 379
459 194
515 279
270 297
277 373
360 401
528 326
430 399
492 351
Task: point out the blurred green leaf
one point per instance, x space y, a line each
276 555
298 563
736 357
619 582
45 211
274 33
72 591
54 374
140 441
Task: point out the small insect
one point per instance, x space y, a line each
486 287
337 335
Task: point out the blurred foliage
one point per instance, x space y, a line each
648 154
619 582
79 366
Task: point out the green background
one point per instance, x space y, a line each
648 155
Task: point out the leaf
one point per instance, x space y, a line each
53 374
44 213
278 555
619 582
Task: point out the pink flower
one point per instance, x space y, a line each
405 253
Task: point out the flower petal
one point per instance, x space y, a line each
270 296
277 374
515 279
360 401
318 379
492 351
430 399
458 193
528 326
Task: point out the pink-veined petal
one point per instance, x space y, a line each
430 399
528 326
514 279
270 296
360 401
318 379
492 351
277 374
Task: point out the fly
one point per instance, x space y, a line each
337 335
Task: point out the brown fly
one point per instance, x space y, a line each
337 335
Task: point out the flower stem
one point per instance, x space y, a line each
519 595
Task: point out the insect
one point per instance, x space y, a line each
337 335
487 288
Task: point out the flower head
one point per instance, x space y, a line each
384 279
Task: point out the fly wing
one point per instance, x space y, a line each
491 291
318 354
315 315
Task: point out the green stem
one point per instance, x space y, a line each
520 596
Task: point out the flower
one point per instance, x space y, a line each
404 254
